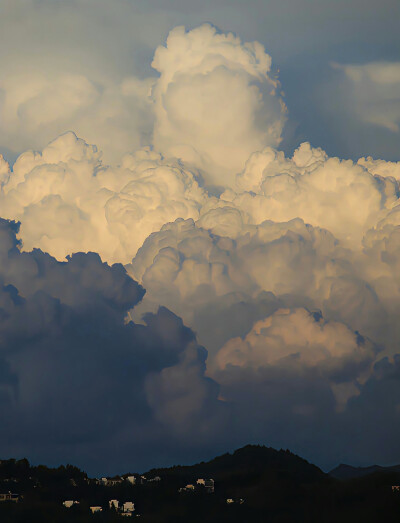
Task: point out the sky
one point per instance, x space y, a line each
200 232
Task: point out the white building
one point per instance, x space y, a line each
156 478
109 482
128 507
113 504
96 509
9 497
131 479
69 503
188 488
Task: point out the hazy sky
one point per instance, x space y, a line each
208 245
111 40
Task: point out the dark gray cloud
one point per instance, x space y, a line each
74 376
78 383
293 407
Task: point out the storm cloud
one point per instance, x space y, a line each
77 379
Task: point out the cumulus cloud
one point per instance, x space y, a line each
227 249
216 99
75 376
36 106
68 200
300 339
253 241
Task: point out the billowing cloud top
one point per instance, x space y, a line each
216 101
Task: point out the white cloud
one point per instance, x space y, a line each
68 200
216 101
36 106
297 338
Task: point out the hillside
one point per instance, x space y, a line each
261 484
253 460
348 472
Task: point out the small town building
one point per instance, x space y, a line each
240 501
109 482
188 488
114 481
128 507
156 478
69 503
113 504
9 497
131 479
96 509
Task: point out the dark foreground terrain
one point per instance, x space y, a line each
262 484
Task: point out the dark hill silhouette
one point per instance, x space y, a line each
344 472
270 485
251 460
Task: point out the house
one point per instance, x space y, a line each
113 482
156 478
107 482
113 504
188 488
96 509
128 507
201 482
230 501
69 503
10 497
131 479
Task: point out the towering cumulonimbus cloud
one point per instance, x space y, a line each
216 101
288 275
